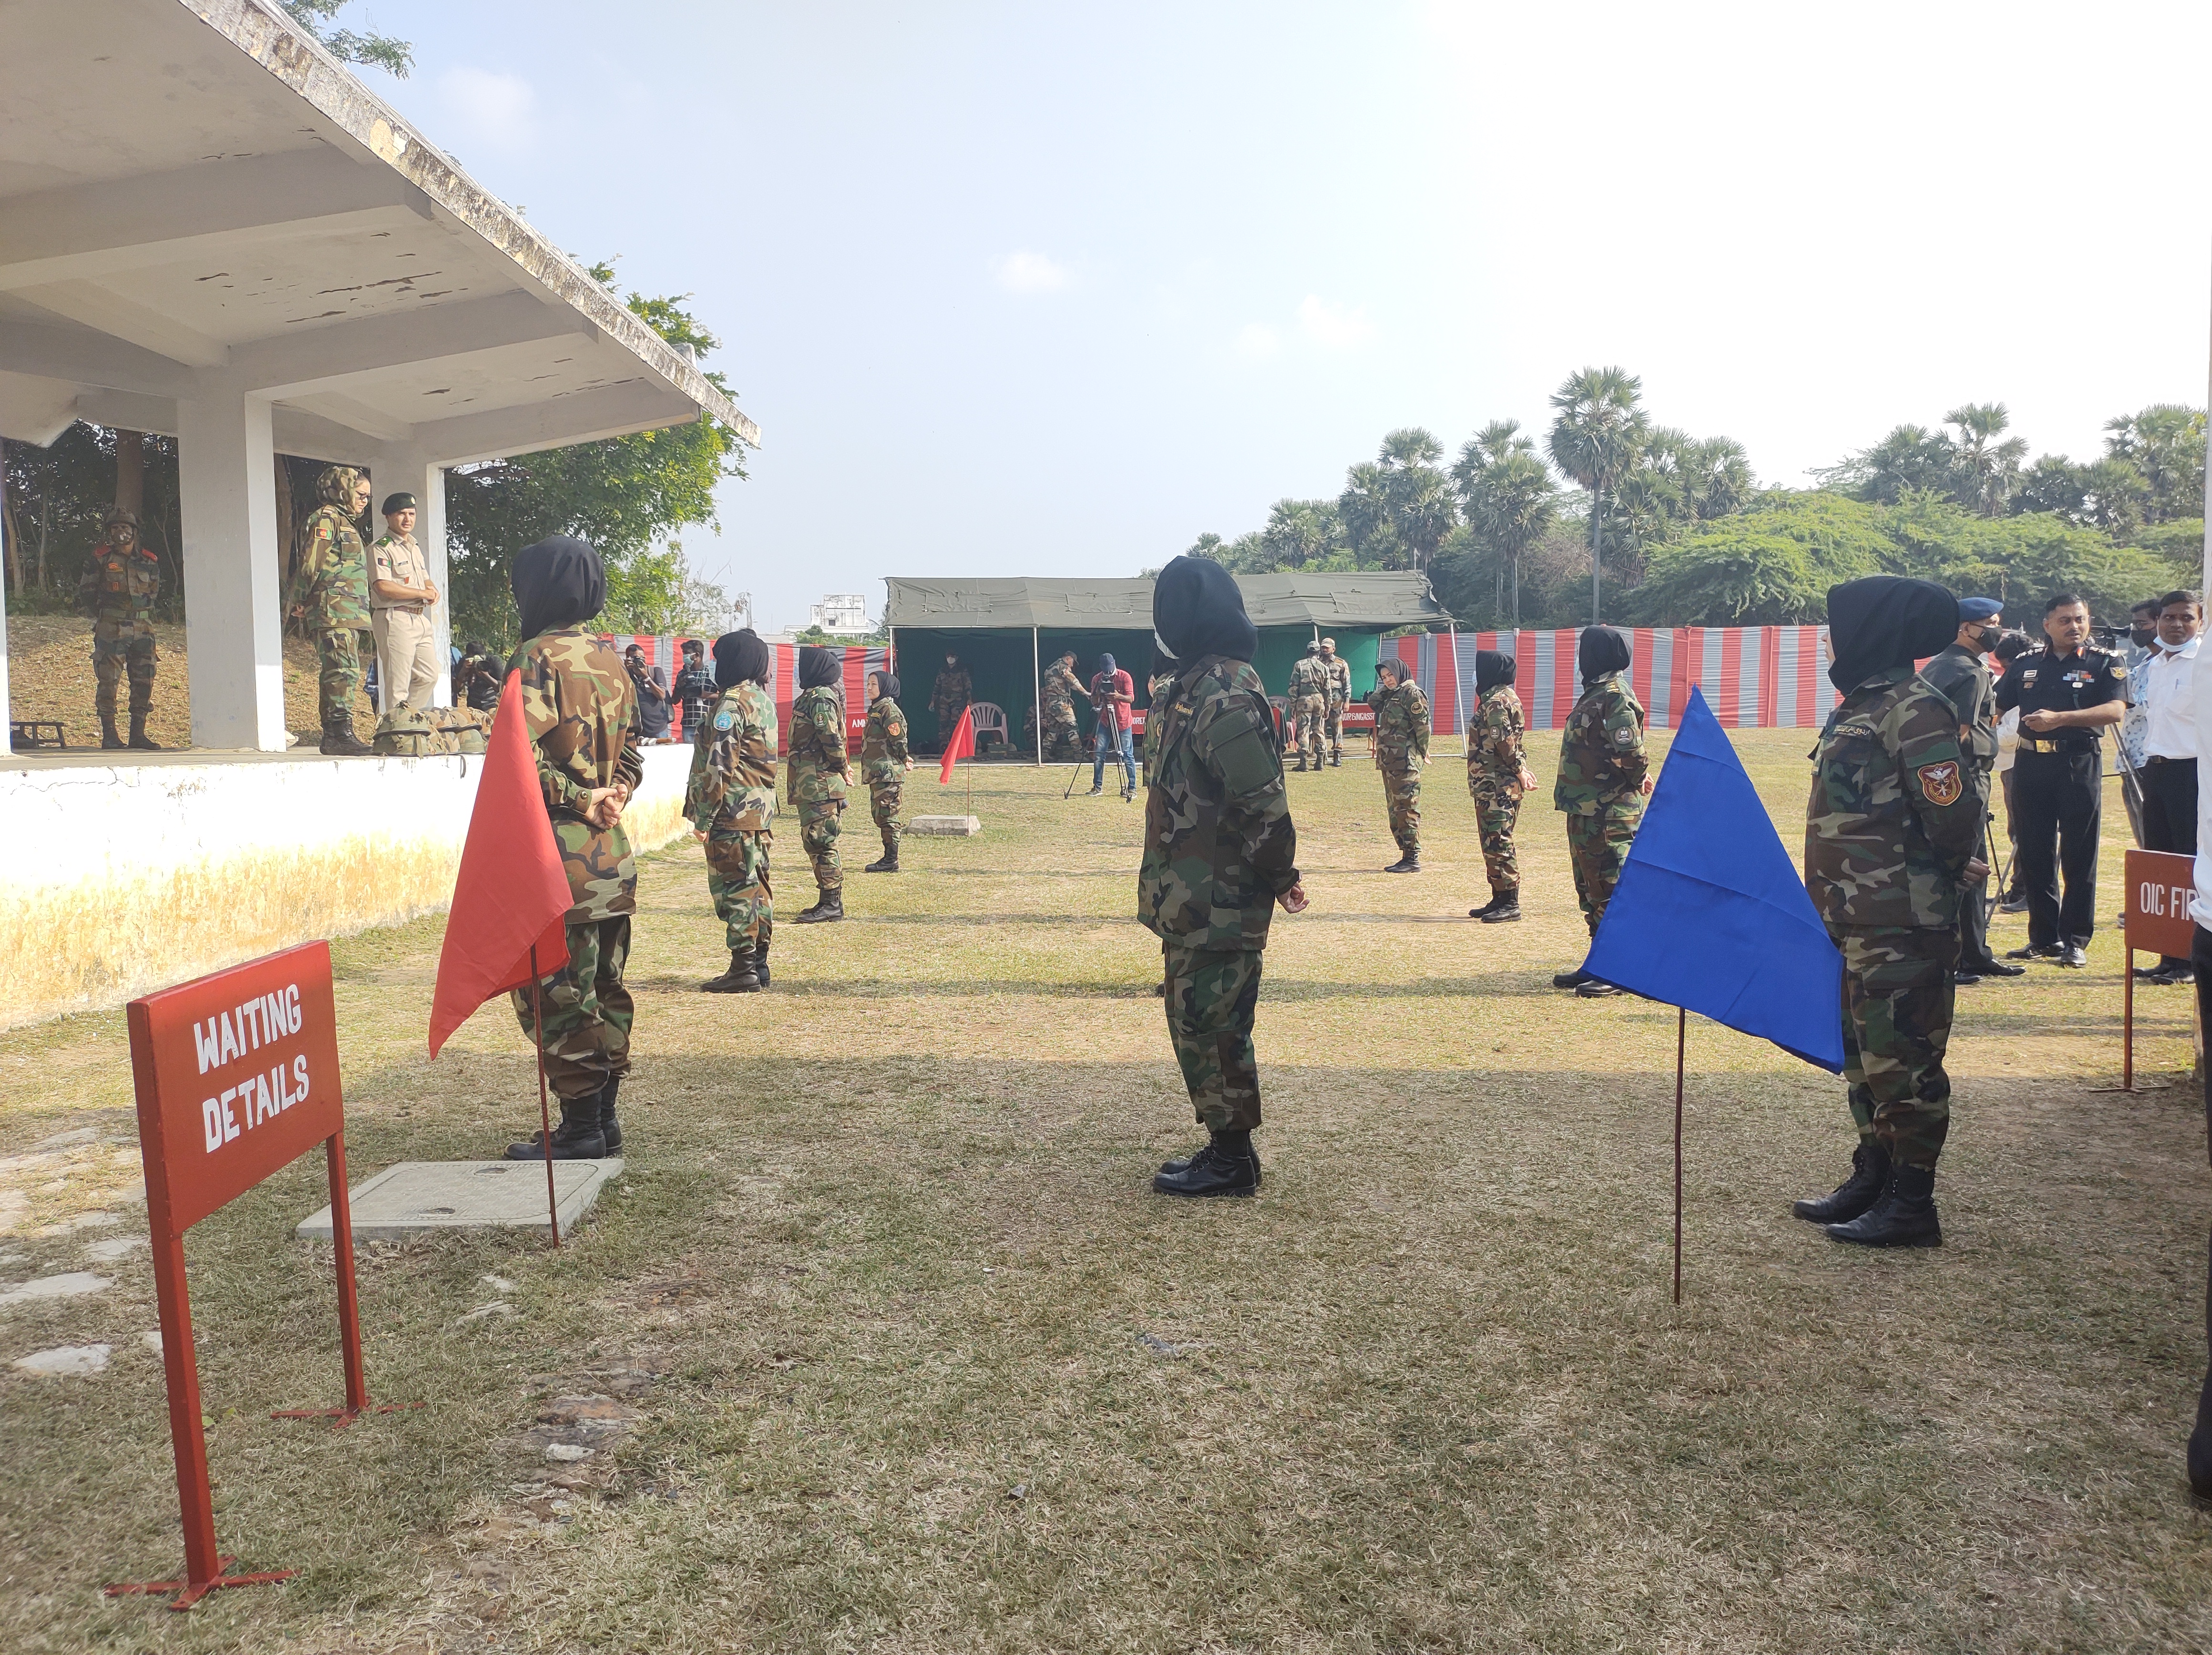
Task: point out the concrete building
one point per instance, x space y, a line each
840 613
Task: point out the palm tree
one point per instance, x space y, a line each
1597 433
1989 469
1511 504
1397 509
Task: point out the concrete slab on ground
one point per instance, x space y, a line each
417 1197
946 826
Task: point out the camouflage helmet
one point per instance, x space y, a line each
122 514
336 484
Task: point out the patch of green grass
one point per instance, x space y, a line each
885 1255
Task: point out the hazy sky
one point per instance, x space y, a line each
1049 289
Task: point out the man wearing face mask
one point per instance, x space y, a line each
1957 673
949 697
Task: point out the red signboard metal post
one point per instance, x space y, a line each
237 1076
2156 920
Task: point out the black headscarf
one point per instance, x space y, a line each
1493 668
1884 621
888 683
817 668
1198 611
740 657
559 582
1603 649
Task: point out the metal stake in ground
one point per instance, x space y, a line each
1681 1038
544 1110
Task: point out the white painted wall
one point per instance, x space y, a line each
153 874
234 619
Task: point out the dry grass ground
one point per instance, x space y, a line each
901 1355
50 676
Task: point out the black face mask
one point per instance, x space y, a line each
2145 636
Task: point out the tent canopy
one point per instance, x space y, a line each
1380 600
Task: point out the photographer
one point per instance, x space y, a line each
695 690
478 678
652 699
1114 695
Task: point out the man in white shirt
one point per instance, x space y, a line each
2167 695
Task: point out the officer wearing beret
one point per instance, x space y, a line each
401 595
2069 693
1958 673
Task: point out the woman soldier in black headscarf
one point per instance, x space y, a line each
884 764
1603 777
730 801
820 773
581 712
1496 777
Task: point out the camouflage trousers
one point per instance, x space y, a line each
1212 994
1401 796
885 798
1597 847
1063 742
338 651
1496 810
737 880
587 1010
817 836
113 657
1312 714
1897 997
1332 727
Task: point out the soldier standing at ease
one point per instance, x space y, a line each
1401 748
730 804
819 773
580 715
1496 779
1602 781
1339 697
1220 850
117 590
1058 696
949 697
330 593
885 762
401 595
1958 675
1892 833
1309 705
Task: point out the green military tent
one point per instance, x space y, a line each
1005 630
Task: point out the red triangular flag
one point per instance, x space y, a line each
962 746
513 893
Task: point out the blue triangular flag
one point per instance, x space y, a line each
1710 913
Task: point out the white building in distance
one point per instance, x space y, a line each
840 613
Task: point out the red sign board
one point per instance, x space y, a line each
2160 886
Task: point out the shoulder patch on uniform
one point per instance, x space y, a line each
724 719
1940 783
1624 737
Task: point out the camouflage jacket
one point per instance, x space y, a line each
1155 703
1602 760
1309 677
883 741
954 689
118 589
333 584
1494 755
733 784
1059 693
1219 844
1891 823
582 714
818 769
1339 680
1402 726
1958 675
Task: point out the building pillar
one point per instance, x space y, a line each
234 618
405 470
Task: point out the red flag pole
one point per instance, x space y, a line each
544 1110
1681 1038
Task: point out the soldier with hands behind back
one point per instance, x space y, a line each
117 590
1497 779
729 802
884 764
1220 850
1602 781
819 773
1307 710
1338 672
1892 830
1401 748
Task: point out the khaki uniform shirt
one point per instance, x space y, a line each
396 557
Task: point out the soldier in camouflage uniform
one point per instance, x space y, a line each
1401 748
1892 831
949 697
820 773
1309 708
730 802
1339 697
1058 696
1602 781
330 590
883 763
1496 779
117 590
582 716
1220 850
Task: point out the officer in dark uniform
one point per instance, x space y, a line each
1958 673
2068 694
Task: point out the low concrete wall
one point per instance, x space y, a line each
130 878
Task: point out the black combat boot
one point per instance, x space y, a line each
760 958
339 740
1574 978
742 977
1869 1177
1594 990
609 1128
108 738
1408 863
1506 907
888 864
576 1139
1903 1217
139 739
1226 1166
1301 764
830 905
1336 761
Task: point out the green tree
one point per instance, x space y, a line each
1986 470
379 50
1397 509
1510 502
1770 565
2165 444
1912 457
1305 534
1598 431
